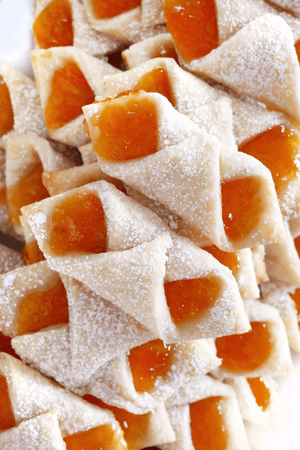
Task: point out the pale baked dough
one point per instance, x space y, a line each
10 259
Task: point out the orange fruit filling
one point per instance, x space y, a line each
207 425
42 309
125 131
278 150
30 189
78 225
6 110
228 259
148 362
245 352
241 207
31 253
297 245
5 345
260 391
193 25
156 81
3 196
7 418
70 91
189 299
53 27
167 53
100 438
134 426
106 9
297 48
296 297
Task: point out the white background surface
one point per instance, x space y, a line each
16 18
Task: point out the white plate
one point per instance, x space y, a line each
16 17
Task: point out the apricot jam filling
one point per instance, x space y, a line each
167 53
6 110
156 81
78 225
125 130
193 25
134 426
278 150
207 424
5 345
31 253
245 352
53 27
106 9
297 48
296 297
229 259
148 362
7 418
189 299
3 196
241 207
297 245
100 438
42 309
260 391
30 189
70 91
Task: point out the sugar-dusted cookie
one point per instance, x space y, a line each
264 350
67 78
63 23
258 257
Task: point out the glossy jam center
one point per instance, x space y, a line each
99 438
193 25
296 297
229 259
148 362
78 225
70 91
278 150
188 299
42 309
156 81
297 48
31 253
134 426
7 419
245 352
207 424
167 53
260 391
6 111
241 207
106 9
30 189
53 27
297 245
125 130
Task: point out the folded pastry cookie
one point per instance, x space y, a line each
60 23
67 79
27 157
20 104
205 412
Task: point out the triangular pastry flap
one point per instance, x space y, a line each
282 261
159 430
187 92
259 400
183 177
16 285
216 119
222 316
259 60
270 353
127 223
99 330
152 12
87 153
154 118
65 180
10 259
131 279
282 297
27 111
113 383
41 432
49 352
32 394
